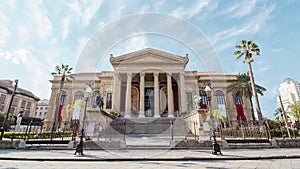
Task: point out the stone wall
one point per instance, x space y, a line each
7 144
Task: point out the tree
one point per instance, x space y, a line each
242 88
248 49
10 120
65 72
278 113
296 110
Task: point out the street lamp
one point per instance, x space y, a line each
7 113
79 148
216 147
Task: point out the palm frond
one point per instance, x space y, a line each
239 46
238 52
239 56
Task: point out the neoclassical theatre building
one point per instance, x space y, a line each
148 84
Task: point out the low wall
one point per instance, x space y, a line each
281 143
7 144
99 144
288 143
195 143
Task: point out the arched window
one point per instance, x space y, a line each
96 97
220 97
203 99
78 96
63 98
220 100
238 100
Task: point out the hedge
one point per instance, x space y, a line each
35 135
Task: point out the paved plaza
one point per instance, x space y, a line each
151 158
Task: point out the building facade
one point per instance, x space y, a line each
148 84
41 109
289 91
23 99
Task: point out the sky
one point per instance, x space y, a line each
37 35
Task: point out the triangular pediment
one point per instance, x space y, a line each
149 56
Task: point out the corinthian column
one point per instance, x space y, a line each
128 96
170 96
182 93
116 93
142 94
156 95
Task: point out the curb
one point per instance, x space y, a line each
82 159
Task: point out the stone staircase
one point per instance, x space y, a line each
151 126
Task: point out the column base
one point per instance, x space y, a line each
127 116
156 116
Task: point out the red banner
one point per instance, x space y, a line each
203 106
59 113
240 112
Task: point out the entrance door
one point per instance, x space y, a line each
149 102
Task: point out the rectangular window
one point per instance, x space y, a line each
41 108
23 103
27 113
2 98
109 101
1 107
15 102
28 106
12 111
45 113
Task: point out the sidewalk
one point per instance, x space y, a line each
148 155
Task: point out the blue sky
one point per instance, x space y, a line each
36 35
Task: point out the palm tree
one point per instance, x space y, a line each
65 72
248 49
278 114
242 88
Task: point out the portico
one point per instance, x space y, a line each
149 83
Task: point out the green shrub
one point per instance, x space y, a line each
34 135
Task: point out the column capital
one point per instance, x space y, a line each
129 74
117 74
142 73
169 74
156 73
181 74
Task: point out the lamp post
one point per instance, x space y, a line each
216 147
7 113
79 148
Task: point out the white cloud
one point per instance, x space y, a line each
193 9
130 44
157 4
44 26
16 56
2 42
276 50
41 22
66 24
250 27
12 4
24 32
85 10
258 21
244 8
4 33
